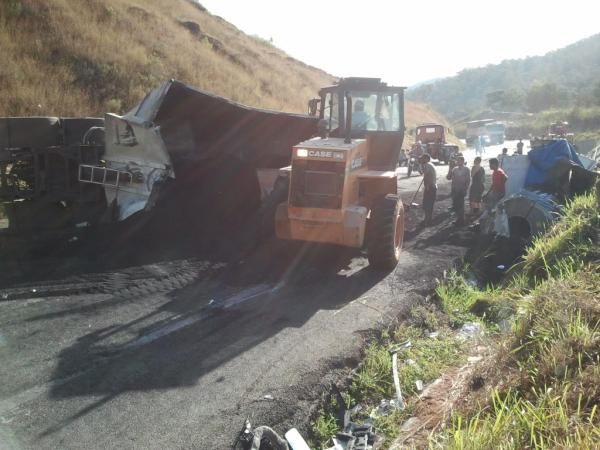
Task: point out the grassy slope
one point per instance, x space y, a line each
77 57
542 384
87 57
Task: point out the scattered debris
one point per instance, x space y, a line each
354 437
385 407
397 381
470 330
433 334
269 397
419 385
396 348
295 440
251 439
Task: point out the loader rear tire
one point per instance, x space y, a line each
386 232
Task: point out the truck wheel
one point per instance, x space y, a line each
386 232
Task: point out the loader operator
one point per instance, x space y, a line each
429 187
360 118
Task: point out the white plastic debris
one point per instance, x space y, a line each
433 334
419 385
470 330
501 227
474 359
410 362
399 398
295 440
268 397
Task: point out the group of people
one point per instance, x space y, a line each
464 181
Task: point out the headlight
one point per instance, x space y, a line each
301 153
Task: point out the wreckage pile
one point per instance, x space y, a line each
178 171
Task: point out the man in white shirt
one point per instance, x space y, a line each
429 187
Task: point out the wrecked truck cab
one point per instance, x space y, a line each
183 165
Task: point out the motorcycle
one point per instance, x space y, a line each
414 164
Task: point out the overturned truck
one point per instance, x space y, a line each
181 159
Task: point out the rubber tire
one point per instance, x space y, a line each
382 251
278 195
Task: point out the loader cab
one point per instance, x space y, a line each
375 106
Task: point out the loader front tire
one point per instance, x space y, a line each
386 232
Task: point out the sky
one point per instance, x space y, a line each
408 42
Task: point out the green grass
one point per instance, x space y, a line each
551 399
545 392
567 246
373 380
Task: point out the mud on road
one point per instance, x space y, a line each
178 353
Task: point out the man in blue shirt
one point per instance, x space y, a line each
360 118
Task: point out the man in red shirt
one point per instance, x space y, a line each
498 188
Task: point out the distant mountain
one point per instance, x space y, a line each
562 77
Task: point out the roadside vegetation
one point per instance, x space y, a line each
541 386
538 388
420 358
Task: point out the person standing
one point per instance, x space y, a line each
498 187
429 187
519 147
478 146
461 178
477 186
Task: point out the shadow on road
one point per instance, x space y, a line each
311 278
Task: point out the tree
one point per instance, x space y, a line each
544 95
596 93
505 100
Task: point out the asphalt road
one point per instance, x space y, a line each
177 354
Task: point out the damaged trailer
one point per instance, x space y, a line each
538 184
182 164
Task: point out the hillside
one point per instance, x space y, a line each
82 57
87 57
564 77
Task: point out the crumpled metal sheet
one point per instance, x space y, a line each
213 147
538 208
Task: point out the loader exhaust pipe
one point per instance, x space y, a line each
348 137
